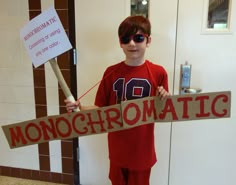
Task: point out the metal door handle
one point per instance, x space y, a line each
192 90
185 78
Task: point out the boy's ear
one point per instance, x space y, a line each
149 41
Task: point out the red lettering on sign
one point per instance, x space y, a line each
169 107
100 122
185 101
113 116
48 128
202 106
74 121
36 132
213 105
149 109
108 119
67 131
137 114
17 136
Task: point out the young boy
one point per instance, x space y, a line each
132 151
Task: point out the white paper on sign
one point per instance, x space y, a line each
44 37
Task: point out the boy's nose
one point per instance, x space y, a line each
131 42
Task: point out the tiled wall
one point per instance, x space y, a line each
48 153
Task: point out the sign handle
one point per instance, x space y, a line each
62 82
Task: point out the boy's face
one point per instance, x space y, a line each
134 47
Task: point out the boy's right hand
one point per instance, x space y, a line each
72 106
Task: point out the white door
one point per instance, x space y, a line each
98 47
203 152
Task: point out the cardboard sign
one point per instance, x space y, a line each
122 116
44 37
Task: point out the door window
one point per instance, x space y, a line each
139 7
218 13
217 16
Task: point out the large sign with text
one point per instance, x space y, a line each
122 116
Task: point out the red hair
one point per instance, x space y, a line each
132 24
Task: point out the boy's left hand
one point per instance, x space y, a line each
162 93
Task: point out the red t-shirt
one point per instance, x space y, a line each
132 148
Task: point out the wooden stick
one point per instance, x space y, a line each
62 82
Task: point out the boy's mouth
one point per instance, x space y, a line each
133 50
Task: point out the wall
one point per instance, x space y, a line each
27 93
98 47
16 83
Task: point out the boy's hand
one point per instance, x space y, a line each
162 93
71 106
